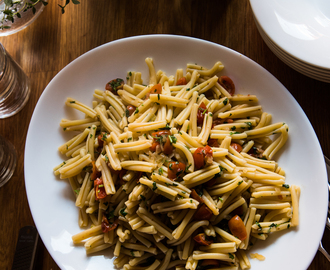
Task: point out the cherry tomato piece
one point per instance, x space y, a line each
237 227
219 121
256 152
95 173
228 84
203 156
201 239
156 89
210 262
168 147
237 147
211 182
202 110
161 138
131 109
160 133
182 81
99 189
175 169
114 85
154 146
213 143
203 213
108 226
195 196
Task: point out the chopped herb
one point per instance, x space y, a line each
167 127
172 139
233 127
286 186
258 224
183 192
188 89
249 125
220 199
104 137
77 191
154 186
130 138
130 73
231 256
225 101
136 111
174 185
64 129
204 111
170 166
72 101
122 212
132 253
211 114
188 166
127 113
190 201
160 170
111 214
288 226
180 197
101 186
106 158
91 136
240 182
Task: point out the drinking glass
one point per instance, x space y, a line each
14 85
7 160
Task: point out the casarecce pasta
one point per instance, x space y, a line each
177 173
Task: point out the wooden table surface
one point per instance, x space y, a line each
54 40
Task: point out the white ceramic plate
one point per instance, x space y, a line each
52 202
291 61
300 27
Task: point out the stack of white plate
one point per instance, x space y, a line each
298 32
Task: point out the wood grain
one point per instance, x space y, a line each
54 40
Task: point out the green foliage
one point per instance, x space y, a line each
14 8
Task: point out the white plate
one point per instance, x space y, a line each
300 27
51 200
291 61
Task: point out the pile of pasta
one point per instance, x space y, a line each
177 173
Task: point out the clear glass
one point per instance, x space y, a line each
27 17
7 160
14 85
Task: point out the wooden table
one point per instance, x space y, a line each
54 40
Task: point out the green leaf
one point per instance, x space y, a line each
8 2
